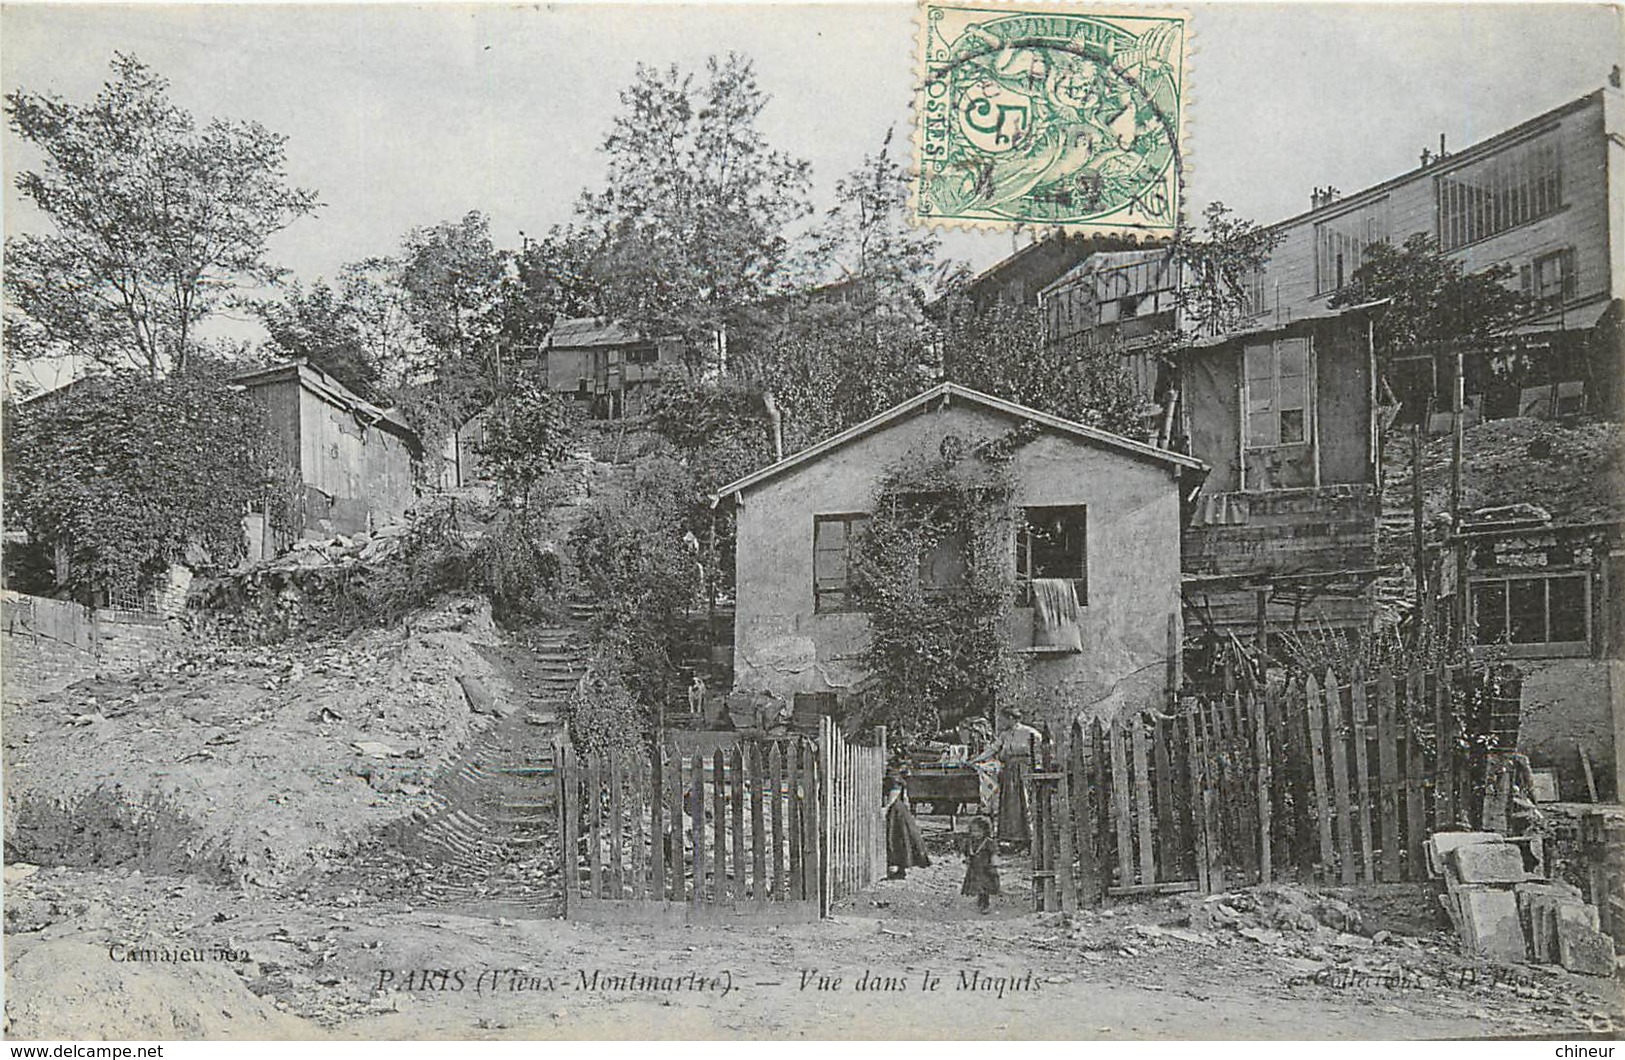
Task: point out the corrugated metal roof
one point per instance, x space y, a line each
576 332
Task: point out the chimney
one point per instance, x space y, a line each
1442 152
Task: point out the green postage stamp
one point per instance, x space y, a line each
1050 116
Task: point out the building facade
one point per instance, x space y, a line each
1099 518
607 366
356 463
1285 526
1545 199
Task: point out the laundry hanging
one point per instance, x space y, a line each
1056 621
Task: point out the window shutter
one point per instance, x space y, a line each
1570 277
1526 279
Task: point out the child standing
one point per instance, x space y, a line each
981 878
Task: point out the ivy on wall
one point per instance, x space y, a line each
935 573
129 473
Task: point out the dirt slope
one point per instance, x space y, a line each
246 765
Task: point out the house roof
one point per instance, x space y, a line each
1261 327
334 392
949 392
590 331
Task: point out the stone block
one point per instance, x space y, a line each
1584 950
1488 863
1441 844
1489 921
1541 905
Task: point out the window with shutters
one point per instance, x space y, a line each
1511 188
1550 278
835 540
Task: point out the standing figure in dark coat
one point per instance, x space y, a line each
905 846
981 878
1014 748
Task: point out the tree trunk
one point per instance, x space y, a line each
776 422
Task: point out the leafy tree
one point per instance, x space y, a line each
1431 298
320 325
1004 351
447 284
867 242
718 428
155 222
552 279
695 209
376 307
527 434
127 472
1216 267
631 552
834 355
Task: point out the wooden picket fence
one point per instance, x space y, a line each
1328 780
854 829
770 829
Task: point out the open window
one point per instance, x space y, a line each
835 541
1052 544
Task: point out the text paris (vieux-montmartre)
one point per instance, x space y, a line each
721 983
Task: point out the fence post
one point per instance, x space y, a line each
1317 762
1198 800
1415 813
657 823
1444 752
696 815
1388 767
826 794
1120 805
877 857
595 818
569 810
1362 768
1064 820
1338 747
615 834
1142 800
758 827
1261 748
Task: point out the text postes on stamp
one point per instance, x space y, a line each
1049 116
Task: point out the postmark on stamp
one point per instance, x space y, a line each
1051 116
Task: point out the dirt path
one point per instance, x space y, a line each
386 970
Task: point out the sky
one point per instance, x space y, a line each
402 115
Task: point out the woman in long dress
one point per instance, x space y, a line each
1014 748
905 846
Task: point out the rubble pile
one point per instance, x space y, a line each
1502 909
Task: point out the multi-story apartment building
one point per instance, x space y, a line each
1545 198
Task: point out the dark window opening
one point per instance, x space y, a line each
1053 543
945 565
835 541
1532 610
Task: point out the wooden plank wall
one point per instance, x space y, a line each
1328 779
